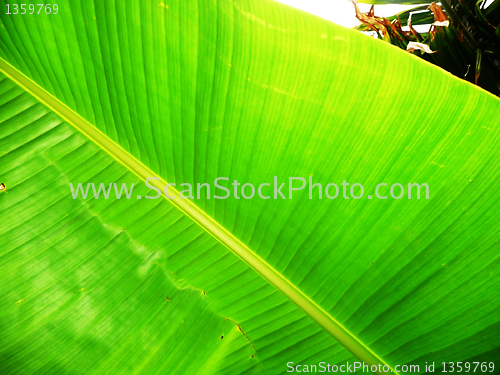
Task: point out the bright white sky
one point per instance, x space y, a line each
342 11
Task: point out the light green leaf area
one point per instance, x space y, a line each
115 285
246 90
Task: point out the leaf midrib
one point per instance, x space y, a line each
316 312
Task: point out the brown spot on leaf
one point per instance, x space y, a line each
2 187
243 333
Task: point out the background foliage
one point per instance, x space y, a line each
469 47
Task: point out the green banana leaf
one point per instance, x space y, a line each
188 91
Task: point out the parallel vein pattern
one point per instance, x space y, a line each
102 285
247 255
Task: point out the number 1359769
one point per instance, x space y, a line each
32 8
